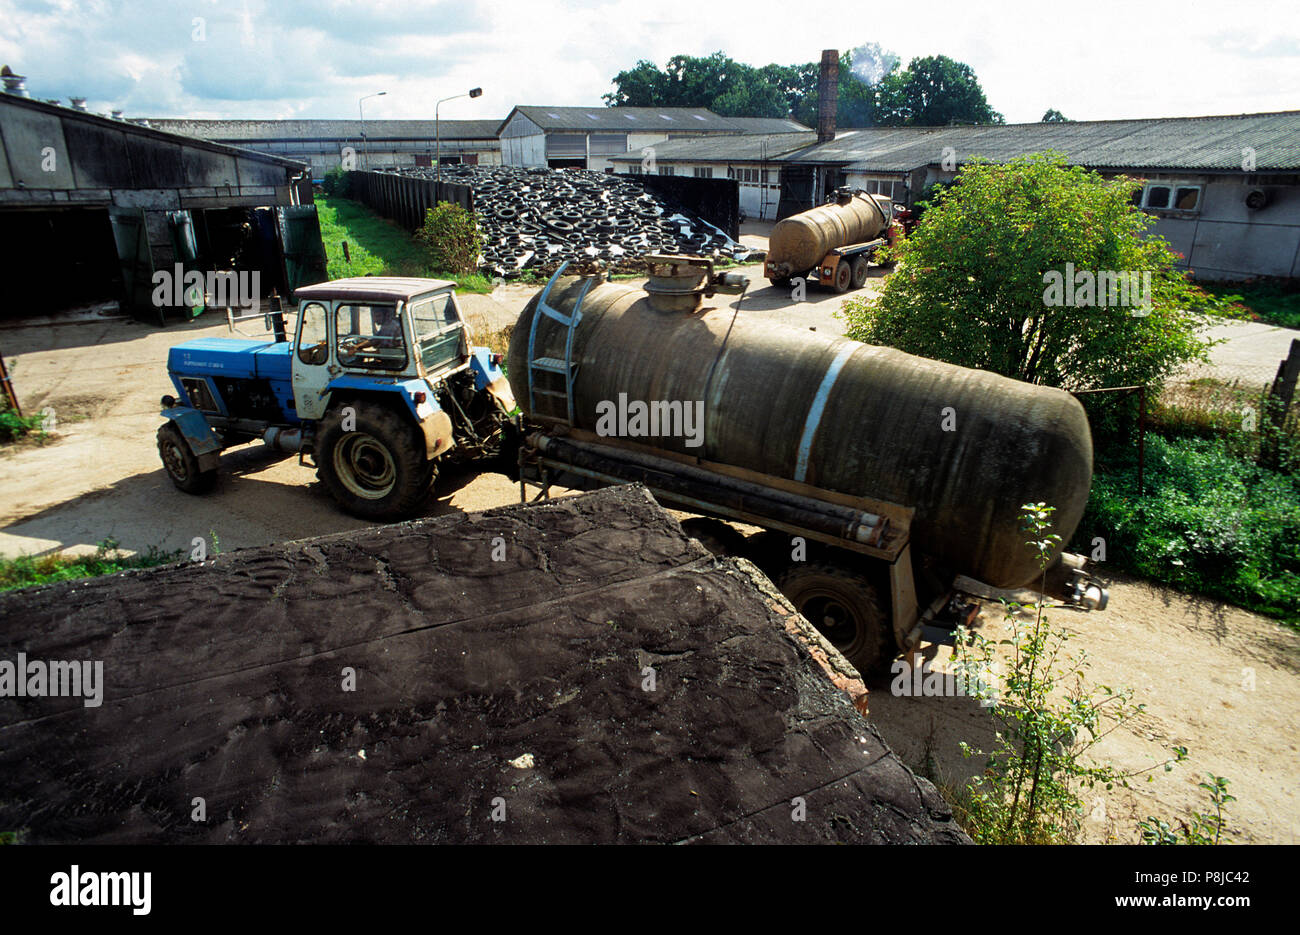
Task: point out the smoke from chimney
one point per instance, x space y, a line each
828 95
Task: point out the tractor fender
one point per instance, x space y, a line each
197 434
488 376
428 415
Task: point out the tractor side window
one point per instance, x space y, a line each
313 342
440 332
370 337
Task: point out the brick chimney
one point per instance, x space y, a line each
828 95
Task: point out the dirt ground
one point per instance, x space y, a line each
1219 680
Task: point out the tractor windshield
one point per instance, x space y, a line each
439 331
370 337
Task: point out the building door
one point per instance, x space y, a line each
135 263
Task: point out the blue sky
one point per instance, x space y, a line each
295 58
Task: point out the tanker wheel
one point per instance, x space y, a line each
718 537
377 468
860 267
780 283
181 463
845 608
843 276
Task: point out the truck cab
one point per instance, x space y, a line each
378 382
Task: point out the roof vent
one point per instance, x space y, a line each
77 103
14 84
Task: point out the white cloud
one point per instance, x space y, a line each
1104 59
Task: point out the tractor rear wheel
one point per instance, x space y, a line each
860 267
846 608
843 276
181 463
376 468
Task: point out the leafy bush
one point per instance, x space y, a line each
337 182
453 238
13 426
1208 522
974 279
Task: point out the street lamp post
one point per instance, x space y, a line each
361 114
437 128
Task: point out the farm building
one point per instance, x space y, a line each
370 144
91 207
588 137
1225 191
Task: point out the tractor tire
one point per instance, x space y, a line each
846 608
182 464
378 469
843 276
860 267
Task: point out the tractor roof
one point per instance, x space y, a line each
374 288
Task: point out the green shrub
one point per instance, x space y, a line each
13 426
337 182
27 570
1208 522
453 237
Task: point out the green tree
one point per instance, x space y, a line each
1054 116
934 91
975 284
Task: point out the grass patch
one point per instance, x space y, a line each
1274 303
1210 522
377 246
27 571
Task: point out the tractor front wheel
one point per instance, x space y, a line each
181 463
372 462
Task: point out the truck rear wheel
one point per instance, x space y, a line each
860 267
843 276
846 608
182 464
376 469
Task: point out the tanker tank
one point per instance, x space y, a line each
800 242
965 448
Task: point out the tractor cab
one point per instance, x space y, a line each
385 328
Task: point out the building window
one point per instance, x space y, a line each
703 172
667 170
1170 196
634 169
608 144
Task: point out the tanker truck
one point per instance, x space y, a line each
833 244
877 478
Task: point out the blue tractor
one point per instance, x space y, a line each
378 384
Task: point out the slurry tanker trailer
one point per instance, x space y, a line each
832 244
876 476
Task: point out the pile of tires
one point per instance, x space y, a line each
536 219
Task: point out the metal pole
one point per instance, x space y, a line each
437 159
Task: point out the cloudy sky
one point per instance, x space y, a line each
314 58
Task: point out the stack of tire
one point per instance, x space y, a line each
536 219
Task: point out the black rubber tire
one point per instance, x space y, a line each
377 430
860 268
843 277
182 464
846 608
719 537
781 283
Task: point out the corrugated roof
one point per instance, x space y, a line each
626 119
1204 143
766 125
727 148
230 130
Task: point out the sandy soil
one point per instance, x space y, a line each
1219 680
